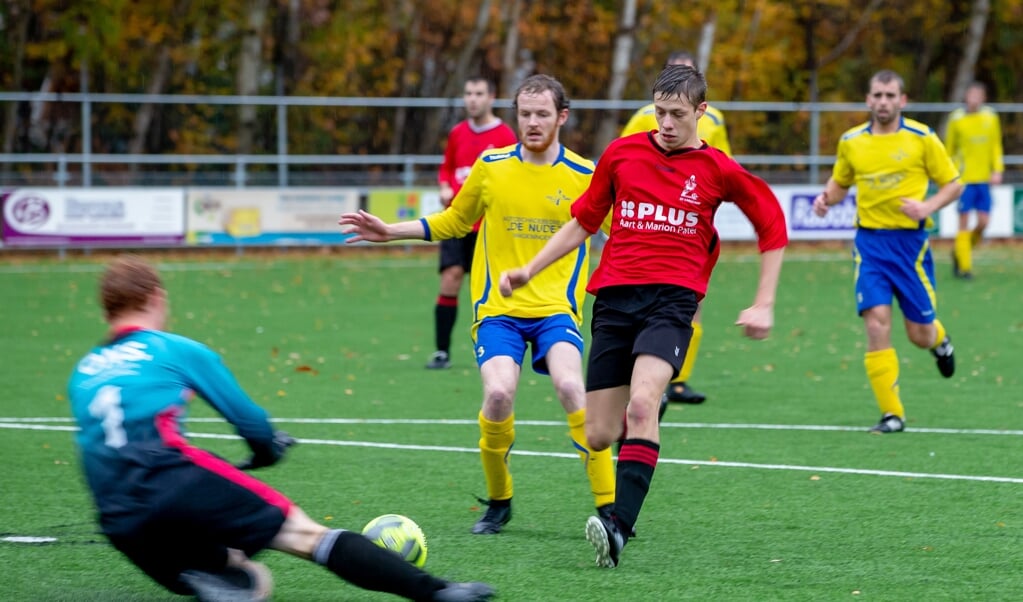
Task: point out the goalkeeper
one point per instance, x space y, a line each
186 517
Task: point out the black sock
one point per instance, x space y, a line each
361 562
636 462
444 315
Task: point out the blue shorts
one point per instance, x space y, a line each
975 197
899 263
509 336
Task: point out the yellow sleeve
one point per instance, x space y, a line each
642 120
952 136
465 210
937 162
720 139
843 172
997 159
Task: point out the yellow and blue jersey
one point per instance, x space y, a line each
887 167
974 140
523 205
710 128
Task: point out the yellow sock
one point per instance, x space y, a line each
963 251
694 348
883 372
599 467
496 439
975 237
940 334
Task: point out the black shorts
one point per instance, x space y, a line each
458 251
186 511
655 319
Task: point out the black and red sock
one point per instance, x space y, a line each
444 314
637 460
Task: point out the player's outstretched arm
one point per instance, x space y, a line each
365 226
569 237
757 319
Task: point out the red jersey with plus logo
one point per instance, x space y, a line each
663 203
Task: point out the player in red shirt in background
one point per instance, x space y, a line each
482 130
664 188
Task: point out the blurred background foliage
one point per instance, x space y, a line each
754 50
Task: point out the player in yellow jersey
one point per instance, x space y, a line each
525 193
890 160
711 129
974 139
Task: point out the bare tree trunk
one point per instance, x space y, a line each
144 116
979 13
509 62
250 62
747 49
620 61
455 80
706 41
509 56
20 13
409 20
851 33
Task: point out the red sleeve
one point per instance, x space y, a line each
446 175
759 204
592 207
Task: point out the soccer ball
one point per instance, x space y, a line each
399 534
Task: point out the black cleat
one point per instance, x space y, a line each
606 512
682 393
497 516
439 361
955 266
245 581
607 540
944 356
472 591
890 423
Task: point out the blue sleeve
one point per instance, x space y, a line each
214 382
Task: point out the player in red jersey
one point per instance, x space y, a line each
482 130
664 188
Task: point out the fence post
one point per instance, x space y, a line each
408 175
815 136
61 177
86 127
239 172
282 144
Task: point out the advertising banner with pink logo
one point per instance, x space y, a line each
93 217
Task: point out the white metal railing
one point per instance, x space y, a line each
812 160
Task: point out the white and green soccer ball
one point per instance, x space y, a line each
399 534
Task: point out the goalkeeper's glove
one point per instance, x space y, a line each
267 455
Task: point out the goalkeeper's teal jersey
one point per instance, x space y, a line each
132 392
522 206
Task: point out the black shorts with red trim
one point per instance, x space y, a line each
458 252
652 319
184 509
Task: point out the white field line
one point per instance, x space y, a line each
25 425
404 264
672 425
362 263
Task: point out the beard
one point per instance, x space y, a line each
539 146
